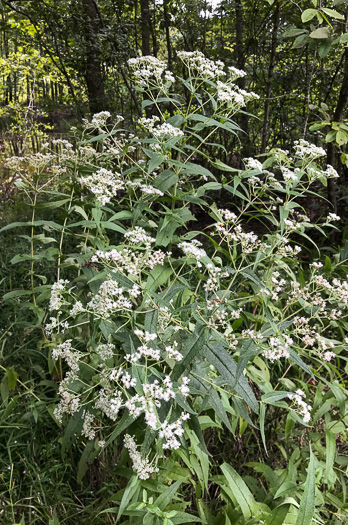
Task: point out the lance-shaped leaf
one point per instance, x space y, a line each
217 355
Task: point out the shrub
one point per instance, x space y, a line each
174 339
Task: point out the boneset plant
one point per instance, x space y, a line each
156 328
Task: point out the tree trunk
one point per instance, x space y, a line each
93 75
270 77
167 28
337 116
339 111
145 27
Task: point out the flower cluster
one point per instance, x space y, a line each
57 299
104 184
148 68
278 348
193 250
197 63
162 131
139 236
141 465
111 297
308 151
303 408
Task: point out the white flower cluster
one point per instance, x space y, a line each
141 465
196 62
332 217
69 403
77 309
110 298
162 131
57 298
308 151
227 93
212 283
154 393
103 184
144 350
111 403
278 348
236 73
228 215
87 427
147 68
328 356
303 408
99 119
146 189
139 236
252 164
173 353
65 351
105 351
233 95
191 249
55 324
249 241
171 431
129 261
288 175
329 173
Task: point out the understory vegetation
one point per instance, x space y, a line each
173 328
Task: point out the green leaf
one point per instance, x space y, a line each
157 277
341 138
131 488
294 32
11 378
156 160
227 368
122 424
48 224
184 517
330 137
72 431
306 510
296 359
321 32
222 166
324 48
308 14
88 456
209 121
112 226
16 293
166 229
53 204
274 398
191 349
196 169
262 424
300 41
344 38
278 515
240 491
332 13
330 453
166 497
318 125
165 180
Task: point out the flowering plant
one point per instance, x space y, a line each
156 327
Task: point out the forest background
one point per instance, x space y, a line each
63 61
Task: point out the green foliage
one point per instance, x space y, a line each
202 384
